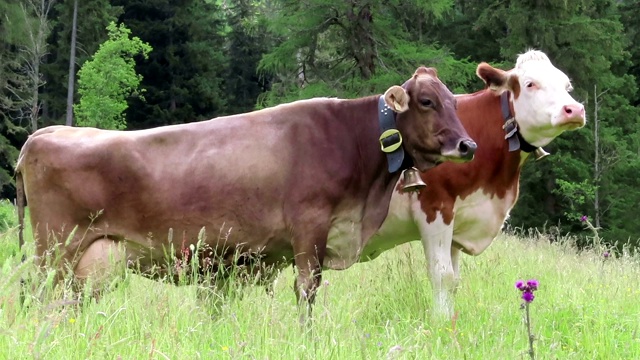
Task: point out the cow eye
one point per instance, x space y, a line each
426 102
529 84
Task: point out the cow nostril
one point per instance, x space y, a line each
573 110
467 147
463 148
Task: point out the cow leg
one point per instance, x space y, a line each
436 239
309 251
455 262
52 256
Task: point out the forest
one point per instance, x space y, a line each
192 60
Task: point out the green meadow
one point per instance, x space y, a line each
586 308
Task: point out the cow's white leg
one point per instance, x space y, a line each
436 239
455 262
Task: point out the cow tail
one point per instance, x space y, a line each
20 202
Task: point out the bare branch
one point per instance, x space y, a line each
25 92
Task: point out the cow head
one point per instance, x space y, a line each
541 100
427 120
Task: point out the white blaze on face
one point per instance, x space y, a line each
544 108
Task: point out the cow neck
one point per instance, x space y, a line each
391 139
512 133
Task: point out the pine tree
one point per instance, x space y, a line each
183 76
247 41
92 18
353 48
23 30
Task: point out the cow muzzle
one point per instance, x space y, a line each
572 116
463 152
467 149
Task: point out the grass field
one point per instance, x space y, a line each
586 308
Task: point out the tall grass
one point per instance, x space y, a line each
586 308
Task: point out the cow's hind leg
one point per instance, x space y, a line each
100 267
53 257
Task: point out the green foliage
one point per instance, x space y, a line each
12 24
247 40
353 49
15 88
577 195
8 215
630 18
183 77
105 81
93 17
8 237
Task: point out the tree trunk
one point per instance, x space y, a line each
35 104
35 51
550 200
596 161
362 42
72 65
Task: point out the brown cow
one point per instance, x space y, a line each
305 182
464 206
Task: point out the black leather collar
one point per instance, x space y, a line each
512 135
391 139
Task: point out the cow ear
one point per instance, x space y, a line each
498 80
397 99
423 70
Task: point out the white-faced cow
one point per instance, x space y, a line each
307 182
464 206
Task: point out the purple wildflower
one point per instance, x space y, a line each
527 289
528 296
606 254
584 218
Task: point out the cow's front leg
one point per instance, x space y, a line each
455 261
309 252
436 239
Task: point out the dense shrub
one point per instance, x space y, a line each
8 215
